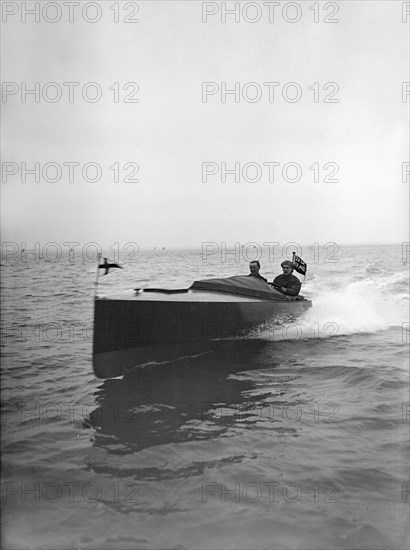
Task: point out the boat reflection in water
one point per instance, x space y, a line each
168 439
188 399
151 405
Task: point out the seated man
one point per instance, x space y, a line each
254 267
287 283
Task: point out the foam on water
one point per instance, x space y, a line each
362 306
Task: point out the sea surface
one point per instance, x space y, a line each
296 439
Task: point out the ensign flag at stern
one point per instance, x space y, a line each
300 265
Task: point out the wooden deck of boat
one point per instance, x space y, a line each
188 296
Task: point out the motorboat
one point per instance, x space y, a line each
157 325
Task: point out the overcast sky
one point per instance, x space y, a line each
174 128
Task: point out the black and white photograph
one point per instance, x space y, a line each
205 261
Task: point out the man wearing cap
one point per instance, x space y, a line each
287 283
254 268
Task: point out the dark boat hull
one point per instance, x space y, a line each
155 326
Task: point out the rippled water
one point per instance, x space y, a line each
297 439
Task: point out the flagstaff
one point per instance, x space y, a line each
97 276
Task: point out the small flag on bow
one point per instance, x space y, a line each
300 265
107 266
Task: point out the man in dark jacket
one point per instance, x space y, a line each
287 283
254 267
